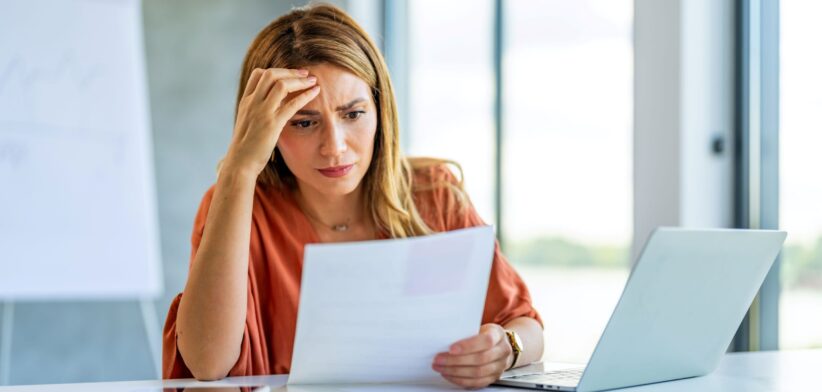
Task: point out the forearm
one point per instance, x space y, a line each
530 332
212 312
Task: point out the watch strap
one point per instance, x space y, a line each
515 348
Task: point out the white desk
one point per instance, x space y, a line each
738 372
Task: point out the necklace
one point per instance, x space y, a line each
338 227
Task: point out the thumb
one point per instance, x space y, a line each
495 330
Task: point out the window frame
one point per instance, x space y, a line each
756 193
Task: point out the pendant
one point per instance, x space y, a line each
340 227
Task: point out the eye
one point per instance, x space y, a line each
355 114
302 123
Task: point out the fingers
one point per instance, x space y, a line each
494 368
290 108
283 87
490 363
467 382
476 361
488 337
271 75
496 353
252 81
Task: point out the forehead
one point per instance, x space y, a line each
338 86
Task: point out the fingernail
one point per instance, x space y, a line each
439 361
302 72
315 89
455 349
312 79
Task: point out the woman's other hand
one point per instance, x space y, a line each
477 361
263 112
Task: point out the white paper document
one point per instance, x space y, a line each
379 311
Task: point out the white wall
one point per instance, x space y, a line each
683 92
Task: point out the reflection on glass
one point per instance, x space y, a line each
204 387
800 183
369 388
567 161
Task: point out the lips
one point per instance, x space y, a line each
336 171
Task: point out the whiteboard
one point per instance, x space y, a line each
78 216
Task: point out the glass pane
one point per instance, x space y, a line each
567 212
452 90
801 188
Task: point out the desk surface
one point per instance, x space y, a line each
749 372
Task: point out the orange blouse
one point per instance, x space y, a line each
279 232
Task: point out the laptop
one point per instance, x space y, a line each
683 302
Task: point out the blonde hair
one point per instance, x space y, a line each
323 33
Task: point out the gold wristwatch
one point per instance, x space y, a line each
516 346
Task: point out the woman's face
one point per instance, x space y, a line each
328 144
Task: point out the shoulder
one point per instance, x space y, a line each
432 173
439 194
267 201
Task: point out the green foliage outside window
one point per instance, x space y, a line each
561 252
801 265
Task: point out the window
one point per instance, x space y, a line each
800 183
567 186
452 90
566 179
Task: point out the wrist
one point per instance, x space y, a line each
246 172
510 361
237 174
516 348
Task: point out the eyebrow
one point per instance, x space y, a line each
306 112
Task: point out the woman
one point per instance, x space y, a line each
315 158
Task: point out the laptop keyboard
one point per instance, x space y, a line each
565 377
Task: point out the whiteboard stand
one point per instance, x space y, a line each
152 325
5 342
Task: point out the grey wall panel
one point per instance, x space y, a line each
70 342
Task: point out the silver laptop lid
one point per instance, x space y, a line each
681 306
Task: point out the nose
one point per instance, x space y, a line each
333 142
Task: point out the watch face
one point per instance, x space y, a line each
517 342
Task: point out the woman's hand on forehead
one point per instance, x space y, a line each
263 111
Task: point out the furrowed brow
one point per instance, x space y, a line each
350 104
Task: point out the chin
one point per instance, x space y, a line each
338 187
339 190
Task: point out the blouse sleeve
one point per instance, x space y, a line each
173 364
508 297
